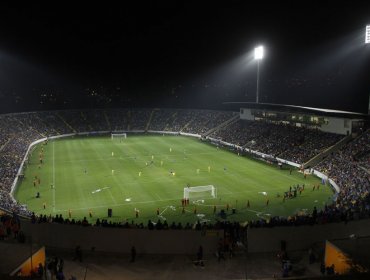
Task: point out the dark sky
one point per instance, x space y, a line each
183 54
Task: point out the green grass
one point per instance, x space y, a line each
65 161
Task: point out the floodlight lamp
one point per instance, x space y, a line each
258 53
367 35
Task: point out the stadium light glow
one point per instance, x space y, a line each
258 53
367 35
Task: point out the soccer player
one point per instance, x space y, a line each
69 213
44 205
152 157
170 150
112 154
112 171
140 174
157 211
90 213
209 168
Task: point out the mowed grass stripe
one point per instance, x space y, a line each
238 179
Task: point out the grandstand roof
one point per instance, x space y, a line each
298 109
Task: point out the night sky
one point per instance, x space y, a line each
194 54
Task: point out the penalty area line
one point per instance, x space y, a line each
165 209
160 198
118 204
53 177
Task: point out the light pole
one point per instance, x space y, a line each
258 55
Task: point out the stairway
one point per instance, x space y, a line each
35 130
318 158
65 122
107 120
150 119
222 125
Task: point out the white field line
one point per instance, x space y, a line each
120 204
150 201
165 209
53 177
138 158
112 197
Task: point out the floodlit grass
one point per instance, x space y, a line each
76 175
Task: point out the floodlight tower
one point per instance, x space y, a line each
258 55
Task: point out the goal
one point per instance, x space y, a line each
118 135
200 192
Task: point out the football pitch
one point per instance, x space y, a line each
145 174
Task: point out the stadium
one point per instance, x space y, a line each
140 191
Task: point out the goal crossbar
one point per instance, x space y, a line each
123 135
198 189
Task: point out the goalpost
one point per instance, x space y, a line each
199 189
118 135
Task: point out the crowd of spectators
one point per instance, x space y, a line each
297 144
9 226
233 231
361 150
18 131
188 121
203 121
347 167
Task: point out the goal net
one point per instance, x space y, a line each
118 135
200 192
